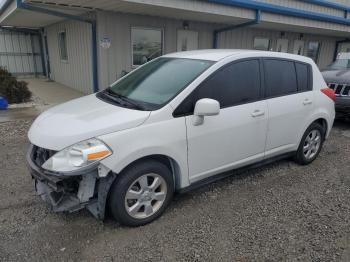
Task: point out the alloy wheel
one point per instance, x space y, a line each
312 144
145 196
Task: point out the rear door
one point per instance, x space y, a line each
290 103
237 135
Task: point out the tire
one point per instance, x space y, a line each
137 189
303 155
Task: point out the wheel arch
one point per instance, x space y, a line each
168 161
322 118
323 122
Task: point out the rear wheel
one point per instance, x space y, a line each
311 144
142 193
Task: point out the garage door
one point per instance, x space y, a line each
20 53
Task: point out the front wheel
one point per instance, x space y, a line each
311 144
142 193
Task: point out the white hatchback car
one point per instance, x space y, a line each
175 123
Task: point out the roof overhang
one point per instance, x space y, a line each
204 11
13 15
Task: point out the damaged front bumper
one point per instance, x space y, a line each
69 193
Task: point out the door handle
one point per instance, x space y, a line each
307 102
257 113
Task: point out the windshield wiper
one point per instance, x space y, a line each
119 98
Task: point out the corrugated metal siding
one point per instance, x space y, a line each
117 27
305 24
77 71
158 7
244 38
341 2
306 6
20 54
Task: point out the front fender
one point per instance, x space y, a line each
167 138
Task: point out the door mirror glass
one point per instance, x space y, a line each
205 107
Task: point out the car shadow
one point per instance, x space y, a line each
186 199
342 123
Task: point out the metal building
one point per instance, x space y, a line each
21 52
92 43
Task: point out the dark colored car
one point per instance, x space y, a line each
337 77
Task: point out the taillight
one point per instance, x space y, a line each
329 92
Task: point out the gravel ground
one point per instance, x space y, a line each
281 212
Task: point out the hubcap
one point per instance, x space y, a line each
145 196
312 144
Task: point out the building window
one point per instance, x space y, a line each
261 43
313 49
147 44
62 45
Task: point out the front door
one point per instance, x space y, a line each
282 45
298 47
237 135
187 40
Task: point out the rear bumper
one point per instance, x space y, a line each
74 192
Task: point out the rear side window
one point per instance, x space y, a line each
234 84
303 76
280 77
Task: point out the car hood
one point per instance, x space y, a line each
337 76
81 119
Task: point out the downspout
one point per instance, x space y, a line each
94 56
250 23
29 7
337 44
42 53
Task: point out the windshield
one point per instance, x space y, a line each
340 64
154 84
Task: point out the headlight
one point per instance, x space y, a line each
77 156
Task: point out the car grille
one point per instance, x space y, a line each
40 155
340 89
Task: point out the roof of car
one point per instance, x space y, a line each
218 54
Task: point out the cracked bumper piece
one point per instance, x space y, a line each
69 193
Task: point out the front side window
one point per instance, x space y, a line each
231 85
147 44
62 44
280 77
154 84
234 84
313 49
261 43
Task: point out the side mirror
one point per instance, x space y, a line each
205 107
